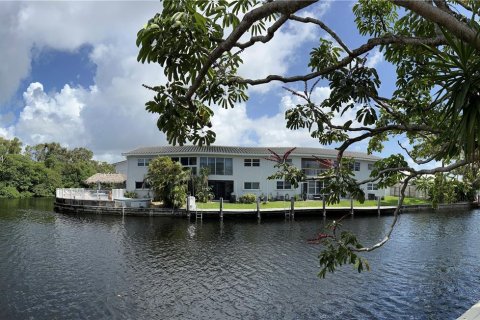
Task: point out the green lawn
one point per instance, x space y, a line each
389 201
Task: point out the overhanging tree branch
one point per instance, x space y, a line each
285 7
372 43
427 10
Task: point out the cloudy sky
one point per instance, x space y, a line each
69 74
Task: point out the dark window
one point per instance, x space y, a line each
220 166
357 166
138 184
184 161
217 166
251 162
372 186
284 185
211 166
141 162
251 185
370 166
175 159
228 166
354 166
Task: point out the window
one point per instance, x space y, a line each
218 166
142 185
314 167
143 162
370 166
251 162
316 186
251 185
372 186
187 163
355 166
284 185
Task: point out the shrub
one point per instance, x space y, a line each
130 194
248 198
9 192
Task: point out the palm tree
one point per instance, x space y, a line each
424 184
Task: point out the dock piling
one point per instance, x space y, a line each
258 209
323 204
378 205
292 207
351 206
221 208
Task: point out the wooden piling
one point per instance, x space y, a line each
351 206
378 205
258 209
292 207
323 204
221 208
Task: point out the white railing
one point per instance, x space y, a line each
89 194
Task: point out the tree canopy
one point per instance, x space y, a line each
433 45
42 168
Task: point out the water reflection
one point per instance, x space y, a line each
59 266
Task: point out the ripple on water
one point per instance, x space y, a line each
56 266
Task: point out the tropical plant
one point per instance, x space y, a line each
169 181
424 184
202 191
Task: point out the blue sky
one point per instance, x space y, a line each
70 75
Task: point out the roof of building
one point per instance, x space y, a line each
119 162
232 150
106 178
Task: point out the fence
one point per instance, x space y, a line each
89 194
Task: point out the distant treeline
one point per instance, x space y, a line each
36 171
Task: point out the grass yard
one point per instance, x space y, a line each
389 201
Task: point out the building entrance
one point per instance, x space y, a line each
221 188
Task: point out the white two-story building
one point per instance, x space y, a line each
240 170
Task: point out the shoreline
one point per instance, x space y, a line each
71 206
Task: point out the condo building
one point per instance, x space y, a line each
234 171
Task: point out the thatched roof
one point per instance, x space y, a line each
106 178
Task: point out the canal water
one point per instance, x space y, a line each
54 266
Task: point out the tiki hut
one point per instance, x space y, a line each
106 178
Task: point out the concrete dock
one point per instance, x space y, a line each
472 314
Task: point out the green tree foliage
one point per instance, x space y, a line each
169 181
43 168
202 191
434 47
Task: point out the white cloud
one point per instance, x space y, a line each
278 55
110 117
53 117
374 59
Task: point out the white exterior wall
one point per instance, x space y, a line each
242 174
121 167
136 173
